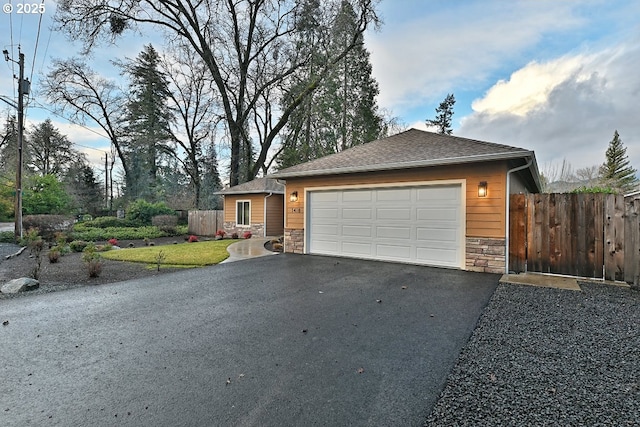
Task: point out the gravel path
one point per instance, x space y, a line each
550 357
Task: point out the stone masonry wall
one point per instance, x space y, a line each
257 229
294 241
485 255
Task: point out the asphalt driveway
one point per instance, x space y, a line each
283 340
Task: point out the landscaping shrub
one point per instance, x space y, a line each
143 211
7 237
54 255
48 225
221 233
193 239
92 260
110 221
234 236
34 242
166 223
246 235
126 233
113 242
78 245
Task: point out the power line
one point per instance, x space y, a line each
39 105
35 50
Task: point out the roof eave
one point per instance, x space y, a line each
405 165
231 193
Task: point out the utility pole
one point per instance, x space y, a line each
106 181
23 89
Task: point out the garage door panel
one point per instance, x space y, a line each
356 231
399 232
356 249
326 230
423 225
393 251
393 195
439 256
434 214
393 213
438 235
357 196
326 246
325 196
325 213
353 213
440 194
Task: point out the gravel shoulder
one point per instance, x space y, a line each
542 356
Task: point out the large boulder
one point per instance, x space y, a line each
22 284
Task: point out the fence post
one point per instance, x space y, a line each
632 242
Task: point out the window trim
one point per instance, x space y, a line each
246 220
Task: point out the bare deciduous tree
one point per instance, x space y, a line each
248 46
83 96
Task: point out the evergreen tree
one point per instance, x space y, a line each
617 171
342 112
85 191
51 152
211 182
148 124
444 114
9 148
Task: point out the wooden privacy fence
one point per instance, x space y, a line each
585 235
205 223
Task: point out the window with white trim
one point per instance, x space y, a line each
243 212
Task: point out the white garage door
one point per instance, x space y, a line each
422 225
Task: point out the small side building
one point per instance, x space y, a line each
256 206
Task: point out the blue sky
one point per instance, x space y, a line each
557 77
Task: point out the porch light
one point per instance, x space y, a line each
293 197
482 189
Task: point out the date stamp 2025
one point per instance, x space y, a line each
24 8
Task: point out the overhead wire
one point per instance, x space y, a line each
35 49
39 105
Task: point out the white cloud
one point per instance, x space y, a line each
459 46
567 108
530 87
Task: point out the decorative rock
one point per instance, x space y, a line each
23 284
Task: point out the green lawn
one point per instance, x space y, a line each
186 255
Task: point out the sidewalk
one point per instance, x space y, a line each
248 248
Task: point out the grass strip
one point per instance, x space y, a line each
197 254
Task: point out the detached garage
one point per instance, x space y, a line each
416 197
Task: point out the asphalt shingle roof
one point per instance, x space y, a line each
257 186
409 149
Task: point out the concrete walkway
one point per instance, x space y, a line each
248 248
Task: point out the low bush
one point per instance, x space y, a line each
193 239
246 235
234 235
7 237
54 255
221 233
125 233
166 223
48 225
110 221
34 242
113 242
78 245
92 260
143 211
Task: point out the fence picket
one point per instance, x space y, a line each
585 235
205 223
